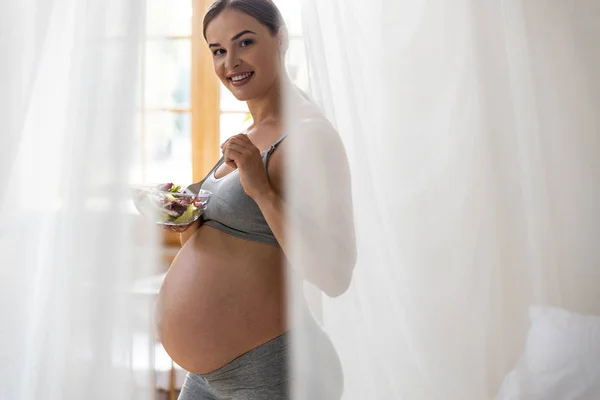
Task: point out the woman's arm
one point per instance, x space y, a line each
315 224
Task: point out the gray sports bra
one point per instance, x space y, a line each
230 209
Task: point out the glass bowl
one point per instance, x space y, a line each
168 204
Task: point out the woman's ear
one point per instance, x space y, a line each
283 39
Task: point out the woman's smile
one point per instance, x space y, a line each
240 79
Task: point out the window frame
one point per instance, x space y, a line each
205 101
204 106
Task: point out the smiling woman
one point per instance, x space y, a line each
237 58
222 309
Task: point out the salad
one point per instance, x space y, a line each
169 204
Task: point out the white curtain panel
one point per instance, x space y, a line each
68 255
473 134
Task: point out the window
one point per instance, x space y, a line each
164 123
177 124
171 137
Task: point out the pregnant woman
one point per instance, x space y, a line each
223 308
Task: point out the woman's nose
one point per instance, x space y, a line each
231 60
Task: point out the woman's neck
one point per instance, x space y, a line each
266 108
269 107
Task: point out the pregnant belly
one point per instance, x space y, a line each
222 297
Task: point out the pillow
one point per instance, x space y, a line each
561 360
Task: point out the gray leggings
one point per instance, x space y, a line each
263 373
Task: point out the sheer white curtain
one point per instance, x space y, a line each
473 134
68 80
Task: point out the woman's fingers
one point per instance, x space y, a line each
236 141
231 163
239 136
224 143
176 229
231 156
233 146
237 149
234 150
242 138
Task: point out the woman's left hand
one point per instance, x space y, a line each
239 152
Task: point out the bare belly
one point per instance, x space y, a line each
222 297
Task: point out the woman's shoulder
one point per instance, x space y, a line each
307 121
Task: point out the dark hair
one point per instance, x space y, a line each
264 11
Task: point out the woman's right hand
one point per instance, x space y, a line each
184 230
178 228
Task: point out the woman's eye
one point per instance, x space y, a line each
246 42
218 52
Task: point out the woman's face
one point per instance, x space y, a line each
245 54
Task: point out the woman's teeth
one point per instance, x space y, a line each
242 79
